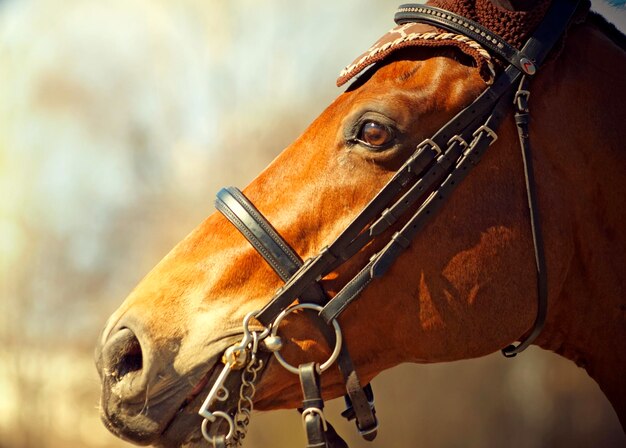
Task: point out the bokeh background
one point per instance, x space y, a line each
119 120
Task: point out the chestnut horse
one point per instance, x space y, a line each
465 287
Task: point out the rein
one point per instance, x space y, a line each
424 181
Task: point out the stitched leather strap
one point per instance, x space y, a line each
320 433
258 231
353 239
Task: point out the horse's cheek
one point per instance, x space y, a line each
492 275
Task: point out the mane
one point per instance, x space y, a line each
608 29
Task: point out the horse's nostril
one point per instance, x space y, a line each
132 360
122 354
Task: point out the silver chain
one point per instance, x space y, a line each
234 359
245 405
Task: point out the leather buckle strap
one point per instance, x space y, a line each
319 432
313 418
350 414
381 262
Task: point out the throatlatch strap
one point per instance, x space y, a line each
522 119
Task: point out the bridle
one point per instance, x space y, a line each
424 181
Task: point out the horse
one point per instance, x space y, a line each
475 278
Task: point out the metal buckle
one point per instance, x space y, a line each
367 432
311 411
430 143
460 140
488 131
521 100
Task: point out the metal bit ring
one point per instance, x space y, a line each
225 416
308 306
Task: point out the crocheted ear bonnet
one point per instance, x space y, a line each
513 26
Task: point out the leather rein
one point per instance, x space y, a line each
436 167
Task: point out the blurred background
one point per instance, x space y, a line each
119 121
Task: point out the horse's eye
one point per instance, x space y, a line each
375 134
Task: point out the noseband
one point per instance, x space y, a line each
423 182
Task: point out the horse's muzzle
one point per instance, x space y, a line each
123 360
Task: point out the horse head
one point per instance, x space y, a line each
466 285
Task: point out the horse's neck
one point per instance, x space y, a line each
582 169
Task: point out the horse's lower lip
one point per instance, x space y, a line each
195 392
199 387
186 420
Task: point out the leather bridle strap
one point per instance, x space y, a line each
319 432
547 34
277 252
361 230
382 261
527 60
258 231
522 119
312 406
281 257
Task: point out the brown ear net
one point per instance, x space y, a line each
418 35
512 26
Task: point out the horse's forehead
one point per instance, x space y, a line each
411 35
